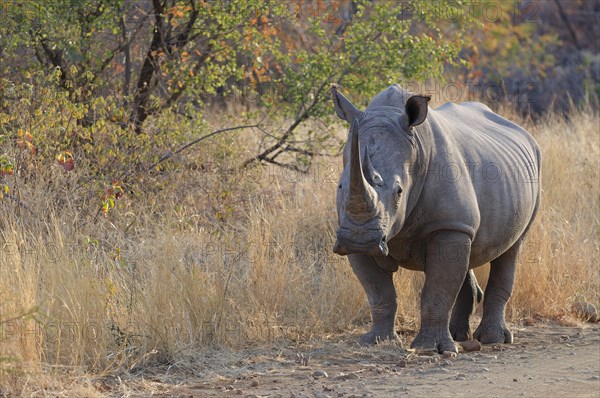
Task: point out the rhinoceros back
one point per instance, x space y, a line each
488 174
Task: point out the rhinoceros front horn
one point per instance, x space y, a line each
361 200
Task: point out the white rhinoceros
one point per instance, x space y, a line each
441 191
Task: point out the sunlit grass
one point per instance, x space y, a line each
245 258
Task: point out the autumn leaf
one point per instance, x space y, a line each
65 159
4 190
25 141
6 166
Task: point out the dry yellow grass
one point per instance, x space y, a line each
232 260
561 261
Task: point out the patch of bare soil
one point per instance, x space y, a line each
544 361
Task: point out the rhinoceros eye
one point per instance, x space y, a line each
399 192
377 180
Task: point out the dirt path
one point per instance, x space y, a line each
544 361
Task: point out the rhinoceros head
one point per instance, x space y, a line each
379 160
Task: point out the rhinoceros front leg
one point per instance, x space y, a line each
379 287
492 328
446 264
468 298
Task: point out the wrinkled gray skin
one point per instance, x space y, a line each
441 191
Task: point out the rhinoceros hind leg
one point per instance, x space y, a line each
379 287
447 259
468 298
492 328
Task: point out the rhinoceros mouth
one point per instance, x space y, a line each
349 241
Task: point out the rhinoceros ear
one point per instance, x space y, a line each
343 107
416 109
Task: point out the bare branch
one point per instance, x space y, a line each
565 19
304 115
124 46
284 165
126 49
170 154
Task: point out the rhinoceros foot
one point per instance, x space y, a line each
493 333
461 331
376 336
434 339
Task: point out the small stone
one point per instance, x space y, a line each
230 387
254 383
317 374
401 363
585 310
515 380
301 359
423 359
485 369
319 394
346 376
461 376
470 345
